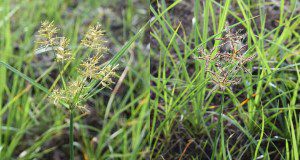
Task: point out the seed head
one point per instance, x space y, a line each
95 40
47 34
72 94
91 69
227 64
47 37
107 73
62 51
57 96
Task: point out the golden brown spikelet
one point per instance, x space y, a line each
106 75
94 39
90 68
47 34
63 53
47 37
72 94
56 96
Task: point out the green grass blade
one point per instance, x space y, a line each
37 85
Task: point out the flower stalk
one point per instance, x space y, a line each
71 134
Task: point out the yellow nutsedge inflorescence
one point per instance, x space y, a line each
47 37
95 40
73 93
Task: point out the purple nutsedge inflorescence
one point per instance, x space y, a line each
224 67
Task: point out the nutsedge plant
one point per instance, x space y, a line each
228 63
92 74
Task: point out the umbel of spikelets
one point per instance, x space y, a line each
90 68
224 68
74 92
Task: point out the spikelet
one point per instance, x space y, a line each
206 56
106 75
57 96
47 37
94 39
90 68
72 94
83 109
62 51
47 34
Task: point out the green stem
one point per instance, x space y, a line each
71 137
222 127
